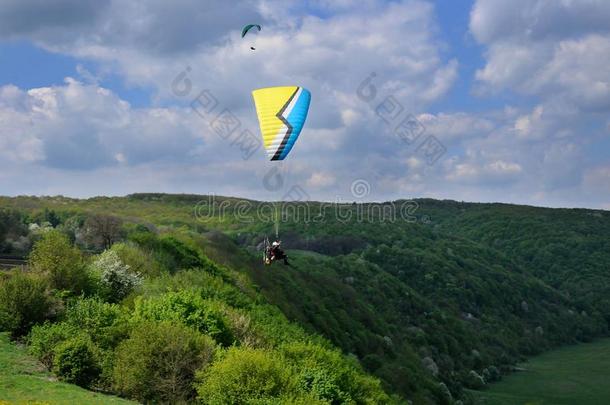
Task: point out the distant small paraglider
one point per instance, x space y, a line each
247 28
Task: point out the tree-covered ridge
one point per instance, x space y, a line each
448 297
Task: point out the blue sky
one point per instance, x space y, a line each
516 93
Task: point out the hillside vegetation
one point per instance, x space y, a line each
442 297
24 380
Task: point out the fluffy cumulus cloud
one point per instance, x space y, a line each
85 127
328 47
547 48
549 54
376 70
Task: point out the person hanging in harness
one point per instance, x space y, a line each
276 253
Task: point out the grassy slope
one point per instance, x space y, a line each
570 375
23 380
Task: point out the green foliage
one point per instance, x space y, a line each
236 293
12 230
243 376
115 278
54 257
138 260
420 303
106 323
189 308
159 360
44 338
474 380
23 381
24 302
75 361
173 254
326 375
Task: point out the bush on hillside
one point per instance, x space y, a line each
243 376
24 302
172 252
61 263
188 308
159 360
43 340
115 278
106 323
138 260
75 361
327 375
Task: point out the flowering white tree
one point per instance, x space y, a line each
115 277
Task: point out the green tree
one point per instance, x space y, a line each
61 263
75 361
44 338
188 308
24 302
159 360
243 376
115 279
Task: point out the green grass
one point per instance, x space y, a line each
24 381
570 375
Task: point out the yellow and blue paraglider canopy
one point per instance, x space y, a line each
281 115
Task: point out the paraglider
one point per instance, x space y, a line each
247 28
281 112
273 252
281 115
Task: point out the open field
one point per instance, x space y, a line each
23 380
570 375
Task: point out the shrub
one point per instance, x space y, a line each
106 323
189 308
474 380
244 376
329 376
24 302
44 338
54 257
159 360
139 261
172 253
115 278
75 361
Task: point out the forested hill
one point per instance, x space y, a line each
430 296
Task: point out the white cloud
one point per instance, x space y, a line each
84 139
456 125
547 48
84 127
321 180
493 173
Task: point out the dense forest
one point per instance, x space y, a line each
165 298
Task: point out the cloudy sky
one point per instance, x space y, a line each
475 100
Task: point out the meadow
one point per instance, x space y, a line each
571 375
